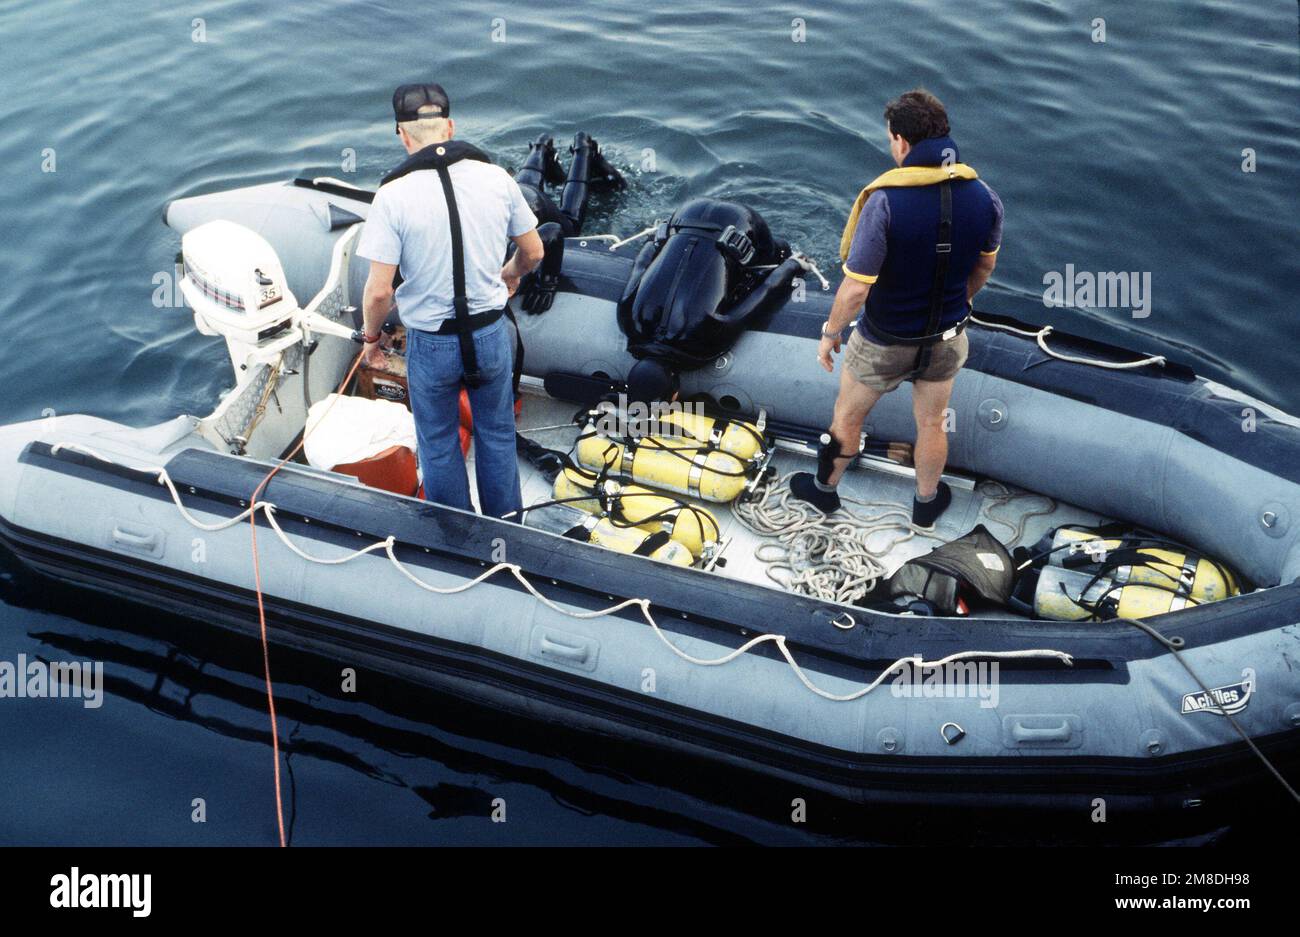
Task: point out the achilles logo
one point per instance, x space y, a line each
1223 700
102 891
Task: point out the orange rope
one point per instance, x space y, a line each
257 583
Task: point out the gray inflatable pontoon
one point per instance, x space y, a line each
722 662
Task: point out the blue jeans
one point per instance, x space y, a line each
434 371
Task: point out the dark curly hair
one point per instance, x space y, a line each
917 115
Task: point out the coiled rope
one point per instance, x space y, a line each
833 558
1041 336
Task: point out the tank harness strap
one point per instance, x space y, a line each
652 543
828 451
460 302
519 350
583 532
695 476
942 251
717 431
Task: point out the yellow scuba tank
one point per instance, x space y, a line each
669 463
1132 562
579 525
690 525
1073 595
734 437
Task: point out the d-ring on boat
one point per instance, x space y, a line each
731 650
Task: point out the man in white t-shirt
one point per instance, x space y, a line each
415 226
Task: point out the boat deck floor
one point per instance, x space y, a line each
546 421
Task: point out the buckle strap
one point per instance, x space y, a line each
889 338
474 322
942 251
737 244
460 302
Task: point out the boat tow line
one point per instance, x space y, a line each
1041 336
1174 645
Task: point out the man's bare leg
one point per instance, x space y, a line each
852 405
929 406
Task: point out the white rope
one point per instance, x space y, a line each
1041 336
163 479
389 543
269 510
1004 495
829 558
810 266
620 242
915 661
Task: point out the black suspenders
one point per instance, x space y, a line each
942 251
460 303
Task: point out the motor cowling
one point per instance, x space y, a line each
707 276
235 284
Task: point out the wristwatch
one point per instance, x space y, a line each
833 334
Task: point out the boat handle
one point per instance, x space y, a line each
138 541
568 651
1059 733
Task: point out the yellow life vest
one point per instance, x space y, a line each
899 177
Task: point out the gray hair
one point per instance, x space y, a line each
426 130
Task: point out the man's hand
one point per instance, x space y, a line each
375 357
376 303
528 254
848 303
511 279
829 344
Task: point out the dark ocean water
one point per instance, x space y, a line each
1125 155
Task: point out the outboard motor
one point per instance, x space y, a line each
237 288
235 284
712 270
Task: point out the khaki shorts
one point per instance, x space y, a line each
884 367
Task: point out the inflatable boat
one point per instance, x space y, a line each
740 654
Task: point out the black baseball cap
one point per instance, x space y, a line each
408 99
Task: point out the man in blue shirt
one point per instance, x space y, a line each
920 242
444 216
